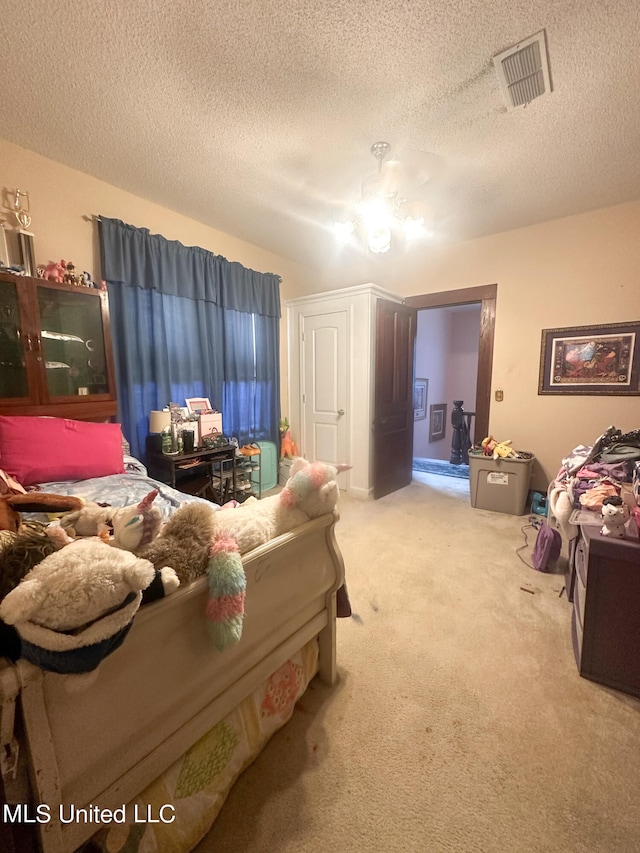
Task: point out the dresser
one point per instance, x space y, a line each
605 621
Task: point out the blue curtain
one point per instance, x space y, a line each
188 323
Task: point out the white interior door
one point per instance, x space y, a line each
325 387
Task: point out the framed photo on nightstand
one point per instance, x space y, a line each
195 405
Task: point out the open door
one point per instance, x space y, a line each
393 397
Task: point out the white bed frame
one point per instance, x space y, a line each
165 687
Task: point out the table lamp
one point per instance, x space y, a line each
157 422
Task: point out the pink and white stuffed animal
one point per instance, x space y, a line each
311 491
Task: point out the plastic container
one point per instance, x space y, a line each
269 464
500 485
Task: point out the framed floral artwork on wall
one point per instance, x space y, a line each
602 359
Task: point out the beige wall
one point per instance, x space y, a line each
63 201
574 271
569 272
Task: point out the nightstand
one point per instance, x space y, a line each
206 472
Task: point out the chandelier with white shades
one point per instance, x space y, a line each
380 210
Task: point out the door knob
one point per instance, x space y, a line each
341 411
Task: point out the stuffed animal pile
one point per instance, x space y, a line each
81 582
216 540
66 603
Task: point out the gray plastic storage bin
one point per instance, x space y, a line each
500 485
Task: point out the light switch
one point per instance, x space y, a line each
499 395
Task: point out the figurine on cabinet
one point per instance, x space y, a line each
69 276
54 271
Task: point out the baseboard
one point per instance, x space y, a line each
363 494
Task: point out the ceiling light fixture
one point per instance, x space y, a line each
380 210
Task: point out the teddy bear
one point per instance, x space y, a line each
615 514
77 605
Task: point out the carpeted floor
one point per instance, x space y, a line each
459 723
442 467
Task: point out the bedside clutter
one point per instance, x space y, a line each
206 426
207 472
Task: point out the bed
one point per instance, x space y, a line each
141 756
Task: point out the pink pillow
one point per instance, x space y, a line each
41 450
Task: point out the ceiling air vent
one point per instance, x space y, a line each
523 71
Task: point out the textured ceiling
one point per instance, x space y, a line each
257 117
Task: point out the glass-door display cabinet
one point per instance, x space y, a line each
55 349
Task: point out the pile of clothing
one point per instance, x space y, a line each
590 474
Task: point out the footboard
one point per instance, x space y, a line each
96 744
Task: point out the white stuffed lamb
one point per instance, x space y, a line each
77 605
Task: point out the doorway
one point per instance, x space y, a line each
446 369
486 296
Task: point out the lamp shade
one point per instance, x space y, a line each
159 420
